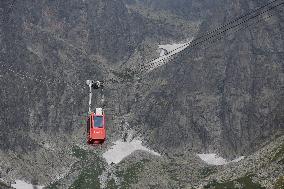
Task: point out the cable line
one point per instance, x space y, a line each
148 66
145 67
142 68
222 26
39 79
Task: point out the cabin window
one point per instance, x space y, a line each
99 121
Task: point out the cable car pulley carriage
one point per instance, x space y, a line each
96 128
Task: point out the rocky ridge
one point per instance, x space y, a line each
223 97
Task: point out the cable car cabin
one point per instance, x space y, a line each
96 127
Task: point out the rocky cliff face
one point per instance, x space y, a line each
225 96
48 50
222 96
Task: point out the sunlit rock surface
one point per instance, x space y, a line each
223 96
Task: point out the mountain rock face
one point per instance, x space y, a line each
227 95
222 95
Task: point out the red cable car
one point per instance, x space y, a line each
96 129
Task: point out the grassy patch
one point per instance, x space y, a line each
244 182
4 186
130 174
52 186
90 167
206 171
279 183
79 152
217 185
279 154
89 176
111 184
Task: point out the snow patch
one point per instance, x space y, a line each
214 159
176 47
121 149
20 184
166 53
238 159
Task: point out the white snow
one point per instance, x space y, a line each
166 52
20 184
238 159
214 159
176 47
121 149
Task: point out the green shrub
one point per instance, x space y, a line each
279 155
79 153
130 174
206 171
279 183
245 182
